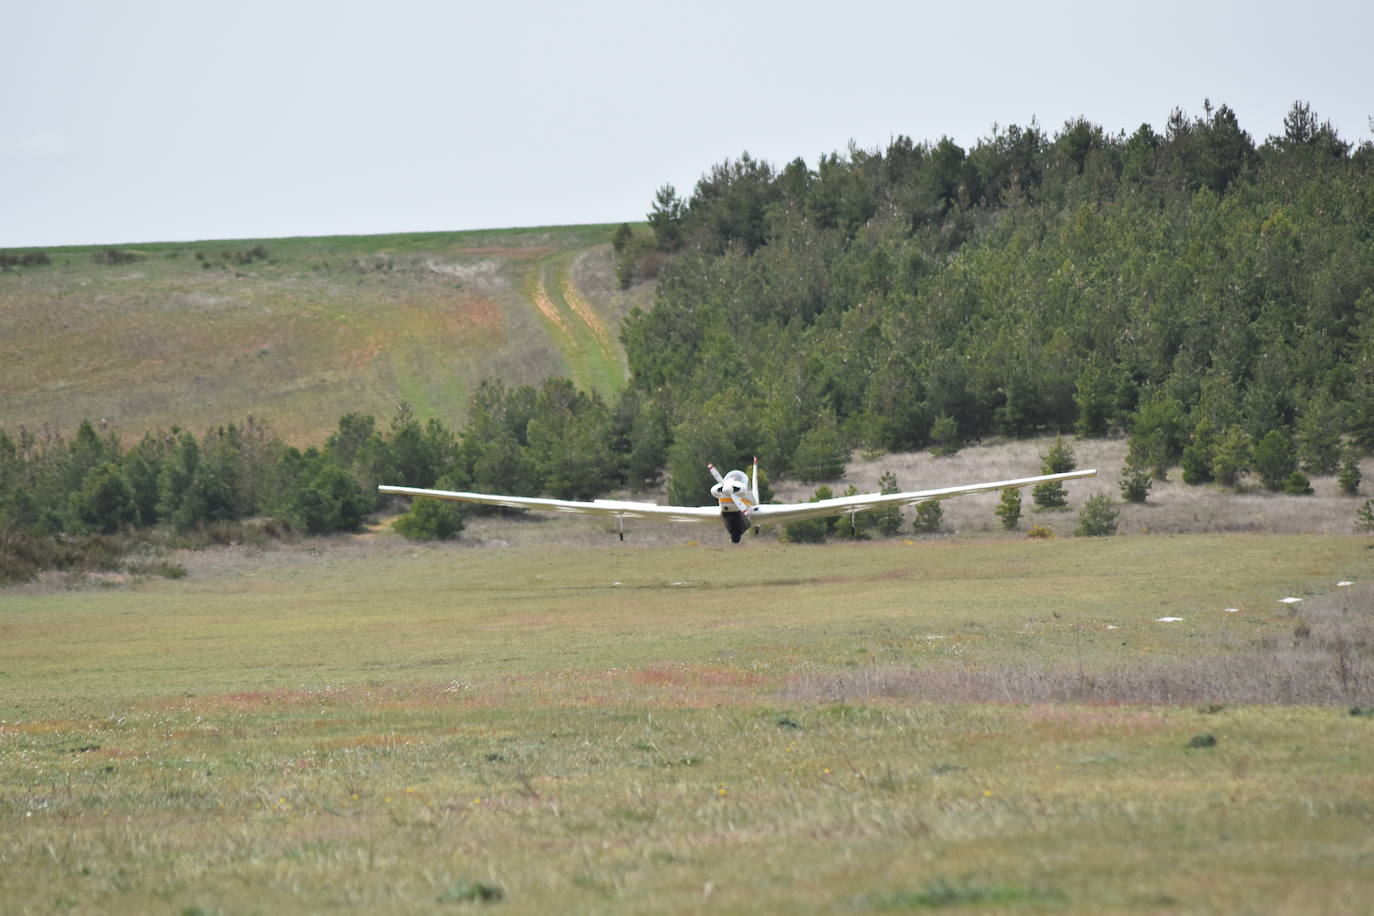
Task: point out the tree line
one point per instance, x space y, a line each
81 503
1191 283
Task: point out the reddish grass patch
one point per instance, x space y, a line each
695 676
261 699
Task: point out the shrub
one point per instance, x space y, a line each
114 256
944 433
1135 484
1040 532
855 526
929 515
331 500
811 530
432 519
1097 518
1008 508
1349 477
638 259
888 520
1297 484
164 568
1364 519
28 259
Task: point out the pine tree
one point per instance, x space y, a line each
888 520
1364 518
1274 459
929 516
1135 484
1232 458
1199 454
811 530
105 502
1349 477
1097 518
1059 459
1008 508
432 519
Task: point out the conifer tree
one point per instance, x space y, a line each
1008 508
1059 459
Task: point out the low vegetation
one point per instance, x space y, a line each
992 724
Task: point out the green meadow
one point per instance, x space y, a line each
987 725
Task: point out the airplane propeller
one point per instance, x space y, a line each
728 487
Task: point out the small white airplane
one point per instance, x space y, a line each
737 498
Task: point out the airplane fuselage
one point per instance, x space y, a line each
736 523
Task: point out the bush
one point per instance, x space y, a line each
330 501
432 519
114 256
1297 484
28 259
929 515
1364 519
1135 484
1040 532
888 520
1349 477
811 530
23 556
857 525
944 434
1097 518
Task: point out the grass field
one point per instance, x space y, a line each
988 724
298 332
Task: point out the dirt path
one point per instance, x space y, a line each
578 330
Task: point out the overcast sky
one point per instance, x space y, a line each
147 121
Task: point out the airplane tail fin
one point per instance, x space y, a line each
754 481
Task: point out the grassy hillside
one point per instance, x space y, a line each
300 331
1000 725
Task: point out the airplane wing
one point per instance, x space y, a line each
607 507
766 514
771 514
